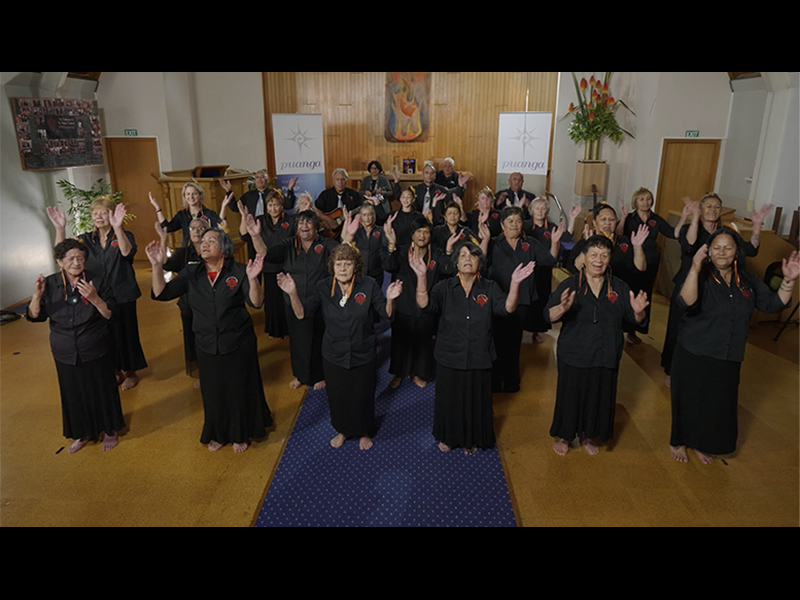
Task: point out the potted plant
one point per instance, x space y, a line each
80 201
594 115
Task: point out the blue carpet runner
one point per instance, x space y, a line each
404 480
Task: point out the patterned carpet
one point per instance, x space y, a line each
404 480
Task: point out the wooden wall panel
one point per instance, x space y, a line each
464 116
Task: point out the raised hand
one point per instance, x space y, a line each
88 291
689 207
639 302
286 283
640 235
567 298
117 216
161 231
254 266
418 266
483 230
57 217
524 201
699 258
463 178
521 273
395 174
394 290
225 185
438 197
452 240
155 253
501 197
587 231
557 233
153 201
388 230
38 289
242 208
791 266
758 216
253 225
292 181
575 211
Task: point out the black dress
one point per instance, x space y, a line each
708 356
464 354
234 404
544 276
180 259
588 353
83 350
349 351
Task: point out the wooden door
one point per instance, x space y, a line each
131 162
688 168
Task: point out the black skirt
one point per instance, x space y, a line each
535 321
585 402
705 395
274 314
412 345
351 398
90 401
507 334
234 404
462 410
305 346
189 346
125 329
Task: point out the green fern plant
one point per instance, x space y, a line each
80 200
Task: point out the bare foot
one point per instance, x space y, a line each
539 338
78 444
667 380
679 453
338 441
365 443
131 380
444 447
706 459
110 442
561 446
295 383
319 385
214 446
120 377
470 451
197 384
589 446
395 382
239 448
419 381
634 339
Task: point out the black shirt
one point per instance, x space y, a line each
272 233
306 268
350 339
689 250
464 338
77 331
503 260
439 264
184 218
221 321
116 269
493 222
621 262
716 325
513 197
370 245
402 226
656 224
328 200
591 330
441 234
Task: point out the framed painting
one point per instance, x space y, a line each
408 105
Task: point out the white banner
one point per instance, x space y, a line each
523 142
299 152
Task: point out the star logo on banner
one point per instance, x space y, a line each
300 138
525 137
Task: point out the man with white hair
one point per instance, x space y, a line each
448 177
331 202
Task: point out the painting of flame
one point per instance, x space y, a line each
407 106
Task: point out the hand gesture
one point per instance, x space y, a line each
242 208
154 202
438 197
418 266
689 207
254 266
463 178
225 185
501 197
226 201
791 266
640 235
292 181
567 298
253 225
575 211
452 240
639 302
38 289
587 231
394 290
162 232
57 217
521 273
117 216
524 201
483 230
395 174
155 253
286 283
758 216
557 233
699 258
351 225
88 291
388 230
623 209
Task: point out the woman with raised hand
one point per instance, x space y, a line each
718 296
79 305
465 306
349 303
592 307
217 289
193 196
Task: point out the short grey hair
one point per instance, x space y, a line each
340 170
449 161
225 242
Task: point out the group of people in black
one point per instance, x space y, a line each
464 287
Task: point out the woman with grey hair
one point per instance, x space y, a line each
217 288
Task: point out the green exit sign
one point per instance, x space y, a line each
131 132
692 133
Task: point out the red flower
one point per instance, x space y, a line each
591 116
605 88
115 244
318 248
285 225
591 80
652 223
547 234
525 246
360 298
482 300
747 293
495 216
612 296
231 282
376 234
431 265
623 247
611 100
571 107
598 85
583 83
